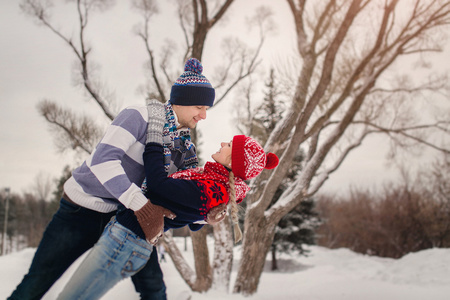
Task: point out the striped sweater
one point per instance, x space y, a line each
114 172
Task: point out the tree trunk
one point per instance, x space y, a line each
202 266
257 241
199 42
200 280
274 258
223 255
183 268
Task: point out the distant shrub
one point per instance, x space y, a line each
401 219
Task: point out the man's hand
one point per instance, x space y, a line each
216 214
151 219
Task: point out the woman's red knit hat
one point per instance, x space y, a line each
248 158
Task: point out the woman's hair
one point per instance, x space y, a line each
234 209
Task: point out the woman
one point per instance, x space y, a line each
192 197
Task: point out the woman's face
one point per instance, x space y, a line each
223 156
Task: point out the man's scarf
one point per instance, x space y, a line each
177 140
215 172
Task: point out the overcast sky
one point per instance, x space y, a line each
36 65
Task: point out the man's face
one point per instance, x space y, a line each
189 116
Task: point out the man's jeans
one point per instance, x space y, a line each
72 231
118 254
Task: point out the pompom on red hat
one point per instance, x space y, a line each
248 158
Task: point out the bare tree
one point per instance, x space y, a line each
342 95
239 62
79 133
72 131
42 187
434 187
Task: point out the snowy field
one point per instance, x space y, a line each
325 274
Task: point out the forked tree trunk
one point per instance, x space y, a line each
201 279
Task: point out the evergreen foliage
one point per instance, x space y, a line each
298 226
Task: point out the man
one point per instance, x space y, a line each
112 176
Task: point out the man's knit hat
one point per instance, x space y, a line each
248 158
192 88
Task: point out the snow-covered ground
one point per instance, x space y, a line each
325 274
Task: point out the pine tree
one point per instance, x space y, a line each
294 230
297 227
268 114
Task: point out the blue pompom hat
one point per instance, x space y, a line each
192 88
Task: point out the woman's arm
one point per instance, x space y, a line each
169 192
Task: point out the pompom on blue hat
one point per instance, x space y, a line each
192 88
